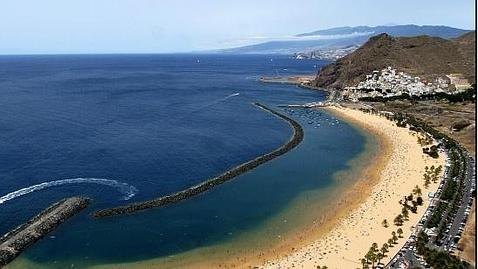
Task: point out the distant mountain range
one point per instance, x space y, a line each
396 30
343 37
424 56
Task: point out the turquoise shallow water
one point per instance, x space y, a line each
160 124
220 215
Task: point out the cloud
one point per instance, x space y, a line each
262 39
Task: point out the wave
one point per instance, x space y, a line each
127 190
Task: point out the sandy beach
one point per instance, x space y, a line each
351 238
342 236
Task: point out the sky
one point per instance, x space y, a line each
163 26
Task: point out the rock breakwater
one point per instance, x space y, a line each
295 140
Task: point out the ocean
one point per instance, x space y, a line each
125 128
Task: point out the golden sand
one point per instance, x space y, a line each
341 236
350 240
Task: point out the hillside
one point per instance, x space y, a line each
291 47
395 30
341 37
422 55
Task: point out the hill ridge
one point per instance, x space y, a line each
421 55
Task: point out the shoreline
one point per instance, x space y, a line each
342 247
241 254
295 140
293 80
302 81
337 233
224 256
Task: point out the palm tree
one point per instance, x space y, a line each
368 256
405 213
400 232
398 220
427 180
372 257
419 200
394 237
374 247
384 249
439 169
364 263
417 191
379 257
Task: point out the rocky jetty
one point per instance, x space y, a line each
296 138
25 235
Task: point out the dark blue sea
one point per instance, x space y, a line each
123 128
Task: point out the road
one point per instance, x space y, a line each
407 257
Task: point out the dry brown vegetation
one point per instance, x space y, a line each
424 56
468 240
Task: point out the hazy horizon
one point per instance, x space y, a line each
148 26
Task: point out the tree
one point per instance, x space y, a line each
419 200
398 220
385 223
426 177
394 237
400 232
379 257
390 242
417 191
374 247
368 256
372 257
405 214
363 261
384 249
413 209
439 169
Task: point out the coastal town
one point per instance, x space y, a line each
390 83
434 232
438 231
330 54
304 134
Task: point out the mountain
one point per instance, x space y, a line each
396 30
291 47
341 37
424 56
